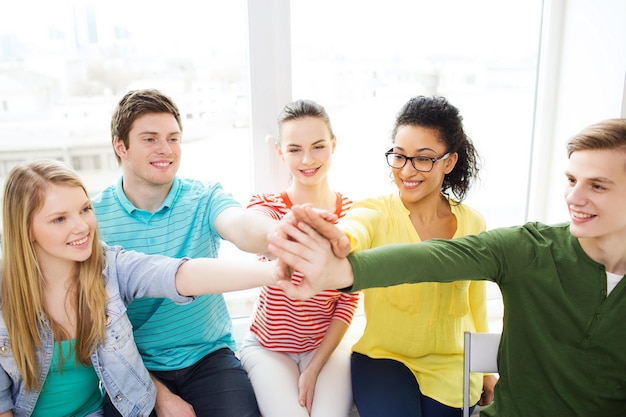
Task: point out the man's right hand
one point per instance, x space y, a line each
169 404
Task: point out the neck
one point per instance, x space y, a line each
320 195
56 272
609 251
144 195
428 209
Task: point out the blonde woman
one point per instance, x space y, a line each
64 331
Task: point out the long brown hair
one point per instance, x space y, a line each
22 280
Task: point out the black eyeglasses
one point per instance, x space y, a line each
420 163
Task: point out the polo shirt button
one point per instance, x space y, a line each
118 397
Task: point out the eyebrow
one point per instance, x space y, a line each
148 132
299 146
400 148
55 214
603 180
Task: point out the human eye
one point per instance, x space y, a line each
423 159
598 187
59 219
293 150
174 139
87 209
399 157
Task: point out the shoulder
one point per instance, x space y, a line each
386 201
344 203
272 205
191 186
544 231
466 213
210 194
267 199
104 196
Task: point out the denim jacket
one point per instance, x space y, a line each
117 362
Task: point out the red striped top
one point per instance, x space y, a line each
283 324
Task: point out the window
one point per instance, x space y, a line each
64 68
364 66
65 64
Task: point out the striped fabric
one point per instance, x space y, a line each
295 326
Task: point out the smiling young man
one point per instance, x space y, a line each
563 346
188 349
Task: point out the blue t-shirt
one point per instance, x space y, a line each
171 336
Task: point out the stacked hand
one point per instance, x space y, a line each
309 242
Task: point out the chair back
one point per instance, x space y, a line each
480 355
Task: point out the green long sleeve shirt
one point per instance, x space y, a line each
563 345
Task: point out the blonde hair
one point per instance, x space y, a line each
22 280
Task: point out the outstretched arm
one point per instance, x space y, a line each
247 229
210 276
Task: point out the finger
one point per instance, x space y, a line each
323 227
312 234
282 271
309 401
299 210
285 252
325 214
296 292
301 237
341 247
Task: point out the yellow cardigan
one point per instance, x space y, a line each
420 325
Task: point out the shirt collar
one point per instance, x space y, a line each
130 207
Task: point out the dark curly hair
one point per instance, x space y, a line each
437 113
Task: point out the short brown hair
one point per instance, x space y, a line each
606 134
136 103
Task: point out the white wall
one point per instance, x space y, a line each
582 81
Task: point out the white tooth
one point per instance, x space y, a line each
79 242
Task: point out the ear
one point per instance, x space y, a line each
451 162
333 143
119 147
279 151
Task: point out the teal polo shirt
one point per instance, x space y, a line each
171 336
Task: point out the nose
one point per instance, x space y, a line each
307 158
164 147
575 195
408 168
80 225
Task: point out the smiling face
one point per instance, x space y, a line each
414 185
153 154
306 147
63 228
596 194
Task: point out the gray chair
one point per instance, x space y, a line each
479 355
